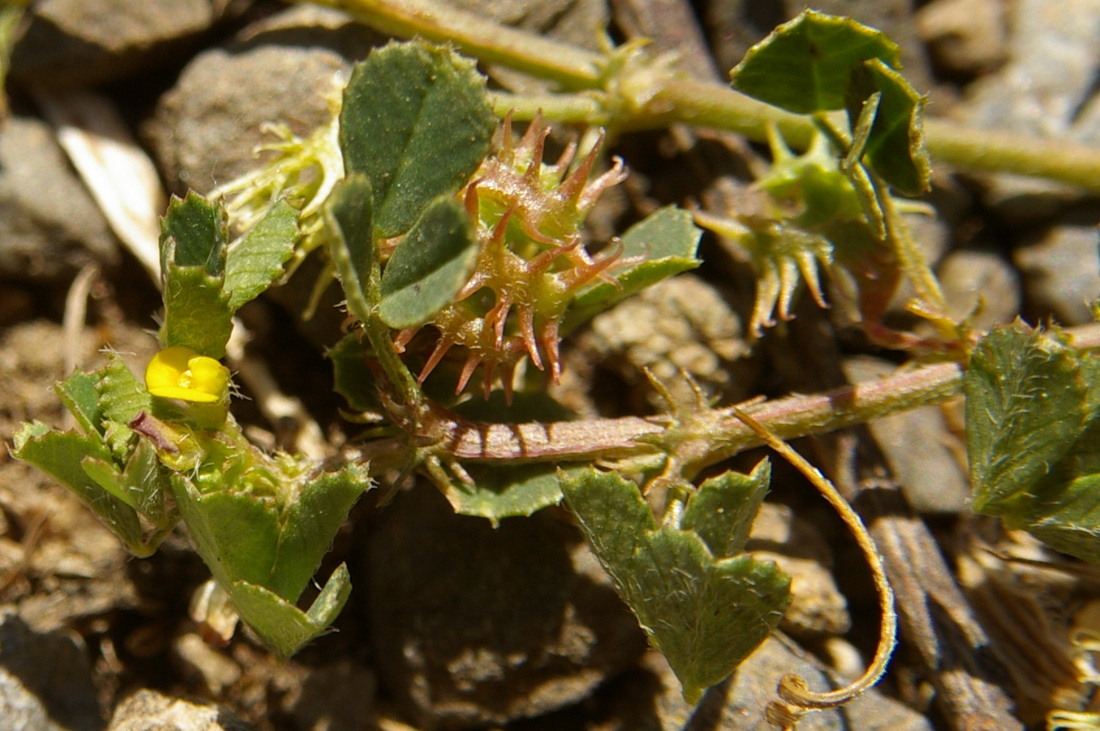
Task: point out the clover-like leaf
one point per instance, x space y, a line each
429 266
1025 408
352 379
723 508
417 121
1033 435
804 65
121 395
703 610
1072 525
704 615
280 624
80 395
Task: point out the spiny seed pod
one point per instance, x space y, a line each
531 262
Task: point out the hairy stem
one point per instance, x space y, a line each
646 95
786 418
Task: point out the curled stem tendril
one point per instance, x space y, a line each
795 698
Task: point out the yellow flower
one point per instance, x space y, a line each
181 373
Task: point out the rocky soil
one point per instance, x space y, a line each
454 624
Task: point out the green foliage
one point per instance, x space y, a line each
429 266
259 257
818 63
431 228
105 466
659 246
417 123
349 215
498 492
894 147
814 65
264 551
1033 436
203 285
804 66
703 606
193 254
62 455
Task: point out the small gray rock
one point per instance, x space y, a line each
148 710
45 680
650 700
49 224
679 325
339 695
1054 57
472 625
917 446
1043 91
208 125
20 708
1061 271
797 549
86 42
965 37
981 285
286 69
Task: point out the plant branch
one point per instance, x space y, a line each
573 68
648 94
787 418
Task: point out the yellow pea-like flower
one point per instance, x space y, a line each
181 373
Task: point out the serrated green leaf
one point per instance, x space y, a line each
1025 408
723 508
80 395
503 491
429 266
193 255
121 395
141 484
60 455
264 557
280 624
417 121
255 262
1070 522
667 241
236 534
704 615
613 515
309 524
895 146
193 234
348 213
107 476
803 65
196 312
